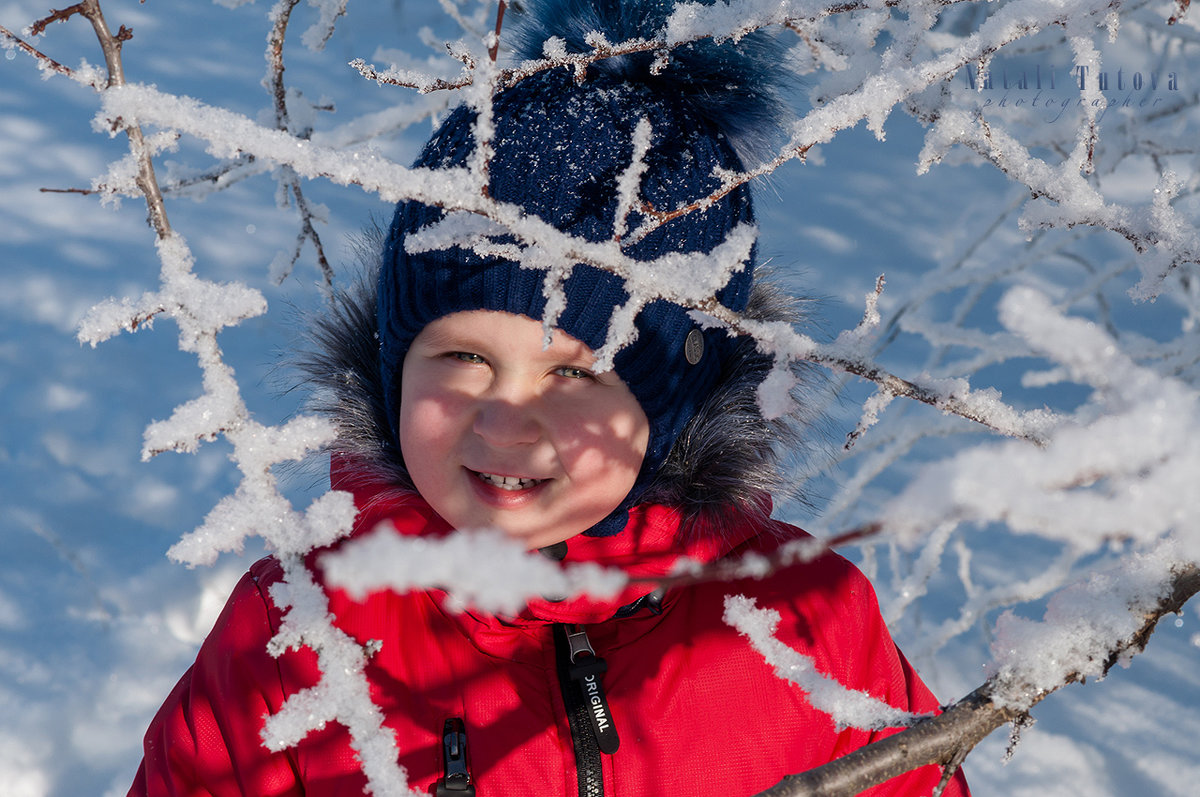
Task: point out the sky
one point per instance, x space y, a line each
96 624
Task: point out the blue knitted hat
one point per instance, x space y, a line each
560 146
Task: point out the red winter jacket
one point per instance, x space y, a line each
697 710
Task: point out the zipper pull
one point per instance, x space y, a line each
585 668
457 780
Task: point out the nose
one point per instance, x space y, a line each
505 422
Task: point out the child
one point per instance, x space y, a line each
454 414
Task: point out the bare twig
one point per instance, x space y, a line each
308 231
80 191
290 179
145 180
731 182
39 27
494 49
948 737
275 65
222 174
759 566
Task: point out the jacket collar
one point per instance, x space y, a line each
654 543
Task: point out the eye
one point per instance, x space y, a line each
571 372
466 357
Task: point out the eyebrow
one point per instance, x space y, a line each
579 355
439 337
443 338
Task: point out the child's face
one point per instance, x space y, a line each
498 432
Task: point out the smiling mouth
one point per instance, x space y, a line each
508 482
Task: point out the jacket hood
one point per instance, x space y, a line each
721 466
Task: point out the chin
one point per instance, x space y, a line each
533 540
530 531
529 535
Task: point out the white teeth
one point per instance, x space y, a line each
508 482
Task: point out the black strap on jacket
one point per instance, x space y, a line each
592 728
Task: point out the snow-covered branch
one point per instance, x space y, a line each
201 309
673 277
482 569
1078 488
847 708
1096 639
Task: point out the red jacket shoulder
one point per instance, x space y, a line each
829 612
210 724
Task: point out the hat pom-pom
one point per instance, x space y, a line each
736 86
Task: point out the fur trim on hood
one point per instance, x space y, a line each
725 461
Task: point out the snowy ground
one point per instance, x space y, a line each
96 624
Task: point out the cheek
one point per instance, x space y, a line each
427 426
603 439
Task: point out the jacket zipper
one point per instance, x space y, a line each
588 714
456 776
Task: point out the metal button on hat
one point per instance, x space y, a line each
693 347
